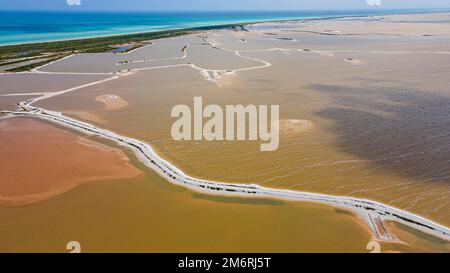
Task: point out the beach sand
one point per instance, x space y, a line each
112 102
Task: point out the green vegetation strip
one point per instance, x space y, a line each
91 45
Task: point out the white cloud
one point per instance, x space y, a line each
74 2
373 3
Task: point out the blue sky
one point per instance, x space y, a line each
179 5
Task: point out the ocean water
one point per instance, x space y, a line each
28 27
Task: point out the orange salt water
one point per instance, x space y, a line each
39 161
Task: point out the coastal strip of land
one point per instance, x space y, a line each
25 57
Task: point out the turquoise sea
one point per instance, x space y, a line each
28 27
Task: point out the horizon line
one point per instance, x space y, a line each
76 9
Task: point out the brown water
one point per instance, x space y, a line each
378 129
35 83
39 161
147 214
355 147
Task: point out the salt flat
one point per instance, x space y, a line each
372 92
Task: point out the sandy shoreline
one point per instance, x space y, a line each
234 24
